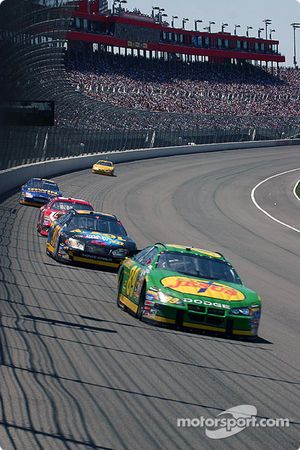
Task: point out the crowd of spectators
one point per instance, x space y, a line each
190 88
133 94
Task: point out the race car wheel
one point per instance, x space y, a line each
120 282
139 313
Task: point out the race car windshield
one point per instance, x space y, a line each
66 206
105 163
198 266
100 224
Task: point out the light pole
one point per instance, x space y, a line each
161 17
295 25
184 22
259 32
224 25
158 15
160 11
113 6
196 22
173 18
235 28
154 8
210 24
120 3
270 35
267 22
247 32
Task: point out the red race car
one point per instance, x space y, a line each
56 208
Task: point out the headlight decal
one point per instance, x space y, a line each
119 252
240 311
164 298
75 244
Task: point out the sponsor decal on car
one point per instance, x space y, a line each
45 191
206 303
203 288
110 238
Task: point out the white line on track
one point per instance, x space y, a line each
294 190
263 210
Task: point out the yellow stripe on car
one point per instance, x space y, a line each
93 261
129 303
242 332
163 319
203 327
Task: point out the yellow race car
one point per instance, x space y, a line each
104 167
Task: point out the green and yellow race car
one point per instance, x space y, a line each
187 288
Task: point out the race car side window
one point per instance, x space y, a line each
149 257
140 256
62 220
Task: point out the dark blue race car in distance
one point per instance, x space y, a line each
38 191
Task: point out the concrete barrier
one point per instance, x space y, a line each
11 179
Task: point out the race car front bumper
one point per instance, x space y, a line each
32 202
78 256
210 319
103 172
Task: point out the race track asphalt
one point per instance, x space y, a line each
78 373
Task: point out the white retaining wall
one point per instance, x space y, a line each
12 178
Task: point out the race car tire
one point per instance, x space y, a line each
139 313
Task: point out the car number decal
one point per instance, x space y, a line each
132 278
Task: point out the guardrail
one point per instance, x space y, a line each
12 178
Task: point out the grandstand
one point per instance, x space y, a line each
189 88
124 79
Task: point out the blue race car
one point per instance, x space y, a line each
38 191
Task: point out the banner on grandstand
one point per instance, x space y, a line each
143 45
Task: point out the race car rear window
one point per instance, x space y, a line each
198 266
66 206
100 224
